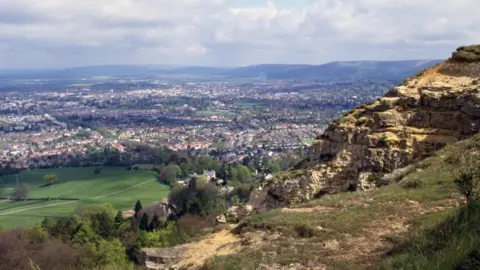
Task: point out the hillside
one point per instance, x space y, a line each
419 221
363 149
410 214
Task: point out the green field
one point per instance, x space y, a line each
113 185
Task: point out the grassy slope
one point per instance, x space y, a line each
357 230
80 183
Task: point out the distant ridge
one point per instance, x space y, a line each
338 71
334 71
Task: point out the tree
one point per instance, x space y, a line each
20 192
104 252
206 163
243 174
144 225
273 167
186 168
118 220
232 173
194 207
138 207
192 185
170 174
203 200
46 224
155 223
465 168
49 179
102 224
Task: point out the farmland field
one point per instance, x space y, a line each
113 185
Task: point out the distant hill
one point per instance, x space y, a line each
337 71
334 71
267 70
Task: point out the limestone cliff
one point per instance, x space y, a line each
428 111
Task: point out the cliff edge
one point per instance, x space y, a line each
364 148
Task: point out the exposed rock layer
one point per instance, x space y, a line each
435 108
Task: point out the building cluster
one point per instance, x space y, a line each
42 127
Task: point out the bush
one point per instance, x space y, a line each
198 198
49 179
465 168
305 231
242 193
412 183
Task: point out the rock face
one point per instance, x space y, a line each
163 258
428 111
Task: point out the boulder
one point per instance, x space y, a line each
221 219
238 212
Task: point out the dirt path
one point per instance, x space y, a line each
316 209
218 244
70 202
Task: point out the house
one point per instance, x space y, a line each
118 146
210 174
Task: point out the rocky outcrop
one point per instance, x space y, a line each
163 258
412 121
238 212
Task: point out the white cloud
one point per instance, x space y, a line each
196 49
70 32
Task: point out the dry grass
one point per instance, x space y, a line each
348 230
222 243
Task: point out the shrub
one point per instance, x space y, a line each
49 179
412 183
465 168
305 231
385 105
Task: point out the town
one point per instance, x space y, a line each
53 128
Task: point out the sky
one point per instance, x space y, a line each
67 33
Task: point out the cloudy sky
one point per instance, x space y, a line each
65 33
